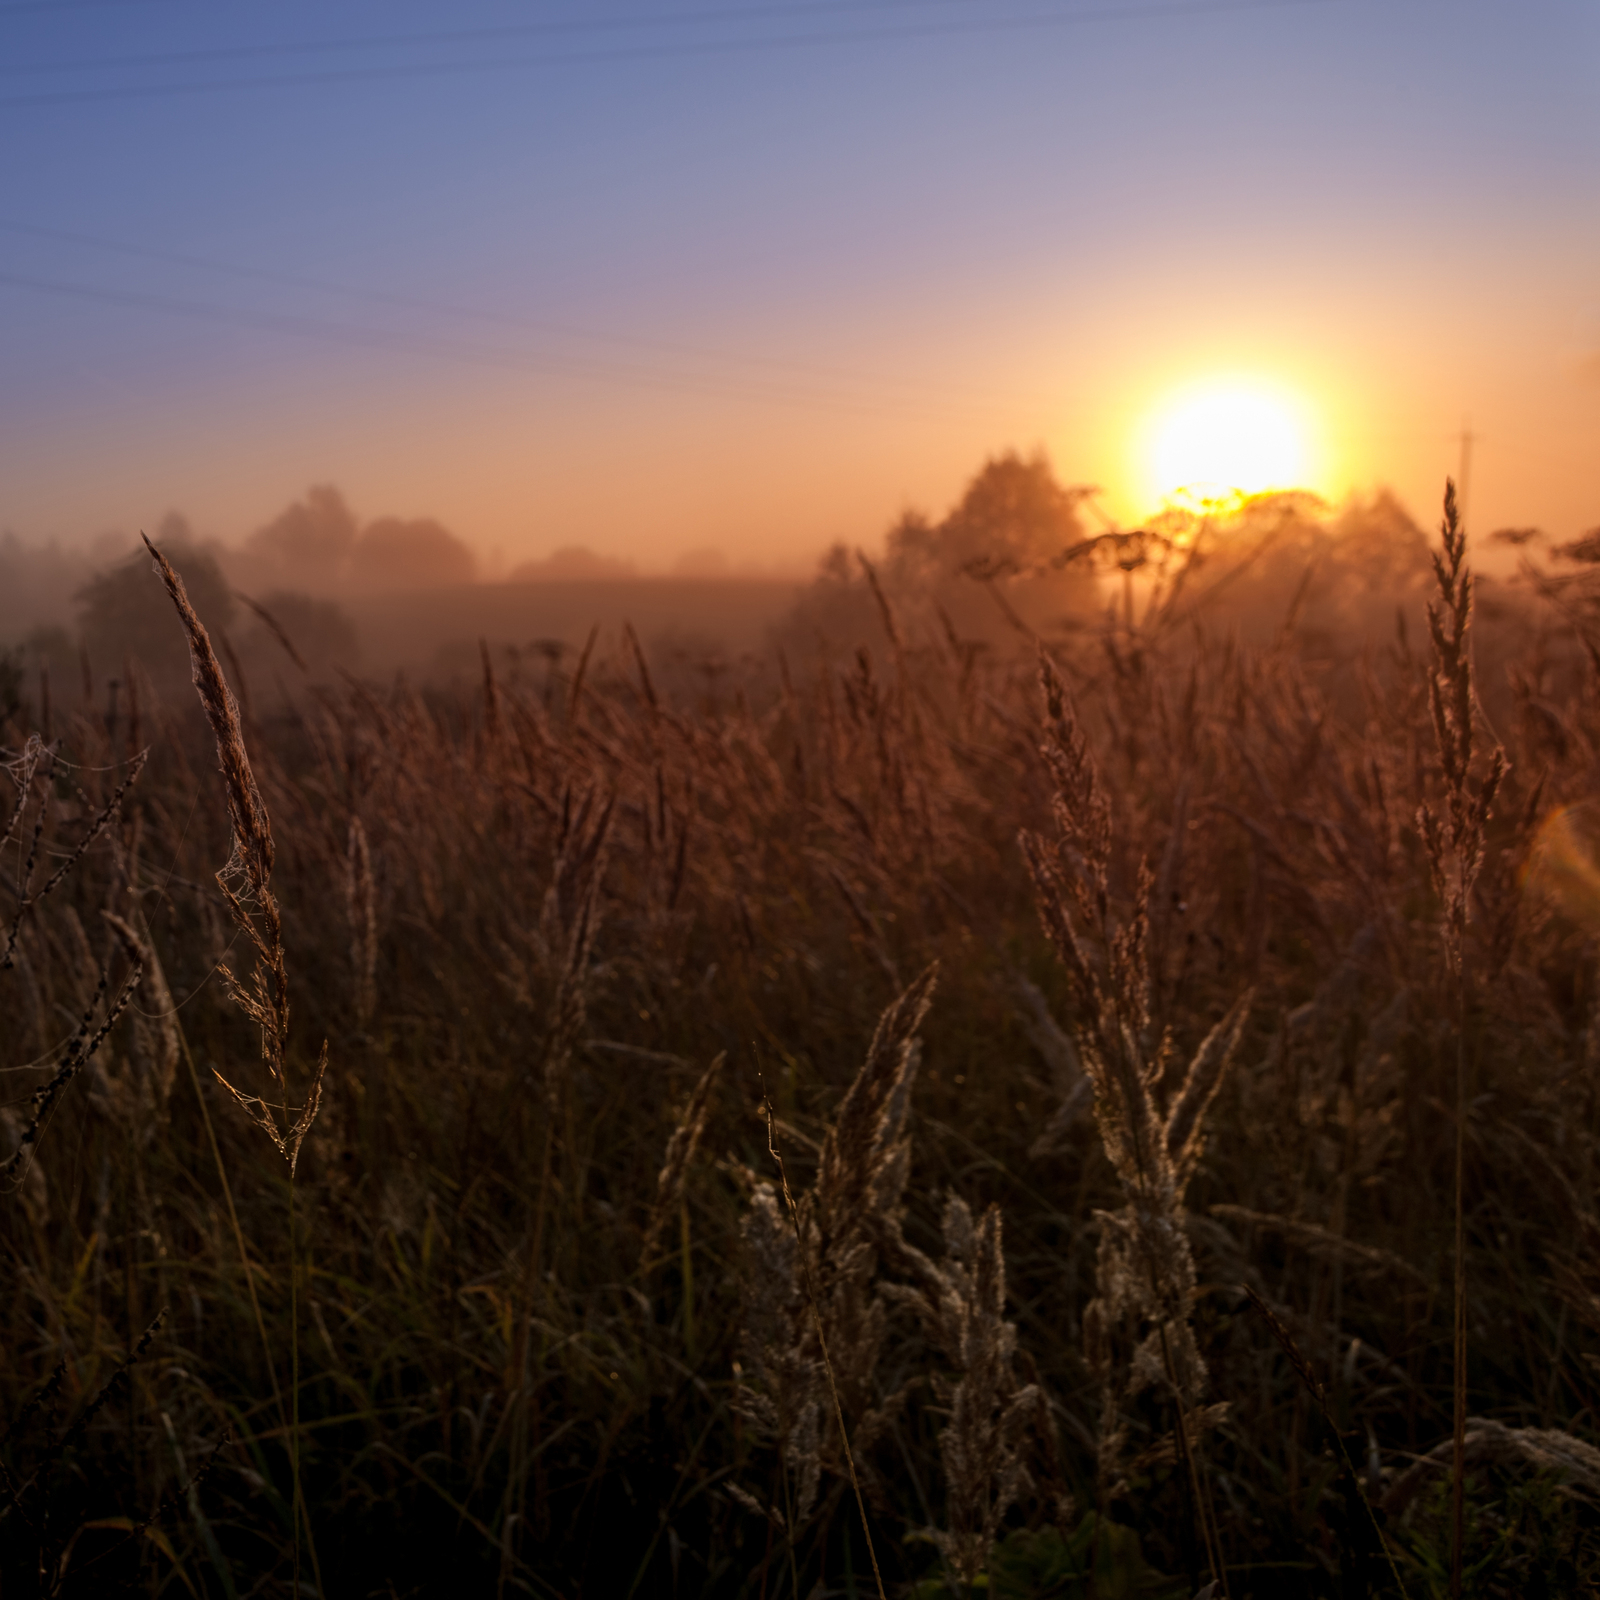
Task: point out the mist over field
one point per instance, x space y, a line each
389 595
316 592
798 800
1079 911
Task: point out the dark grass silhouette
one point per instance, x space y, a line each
1135 1246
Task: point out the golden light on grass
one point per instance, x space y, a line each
542 854
1220 438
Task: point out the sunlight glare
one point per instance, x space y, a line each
1220 439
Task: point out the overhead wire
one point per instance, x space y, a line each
769 377
777 366
22 7
394 341
645 52
645 21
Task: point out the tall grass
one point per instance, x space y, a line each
570 936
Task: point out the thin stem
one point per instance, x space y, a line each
244 1261
233 1218
1191 1466
294 1388
1181 1433
1458 1472
822 1345
1319 1395
519 1388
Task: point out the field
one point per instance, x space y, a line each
1131 1006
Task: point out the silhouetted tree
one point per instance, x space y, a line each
392 553
124 612
1014 520
1007 535
37 583
308 545
572 563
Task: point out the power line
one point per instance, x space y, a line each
394 341
22 7
1162 10
777 366
641 21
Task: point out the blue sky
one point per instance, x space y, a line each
655 277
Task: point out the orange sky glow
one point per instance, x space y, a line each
755 296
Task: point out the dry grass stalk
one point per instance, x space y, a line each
829 1371
1574 1461
882 600
575 692
1074 1091
31 1189
237 669
39 763
53 1546
814 1311
680 1154
80 1050
780 1376
245 882
274 627
491 696
361 909
646 684
563 942
1356 1105
569 920
1313 1384
1323 1241
1145 1271
989 1411
1455 840
153 1045
1455 845
21 772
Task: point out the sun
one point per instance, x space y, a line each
1226 437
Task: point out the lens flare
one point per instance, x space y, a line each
1562 866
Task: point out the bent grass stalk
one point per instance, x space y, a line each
265 1001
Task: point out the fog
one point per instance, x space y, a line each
317 591
1020 558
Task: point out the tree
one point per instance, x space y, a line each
992 570
124 612
420 554
1014 520
309 544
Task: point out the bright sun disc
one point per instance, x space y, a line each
1223 439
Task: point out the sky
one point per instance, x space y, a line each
756 277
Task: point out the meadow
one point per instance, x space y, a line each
1102 1111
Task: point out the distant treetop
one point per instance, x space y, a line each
317 544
